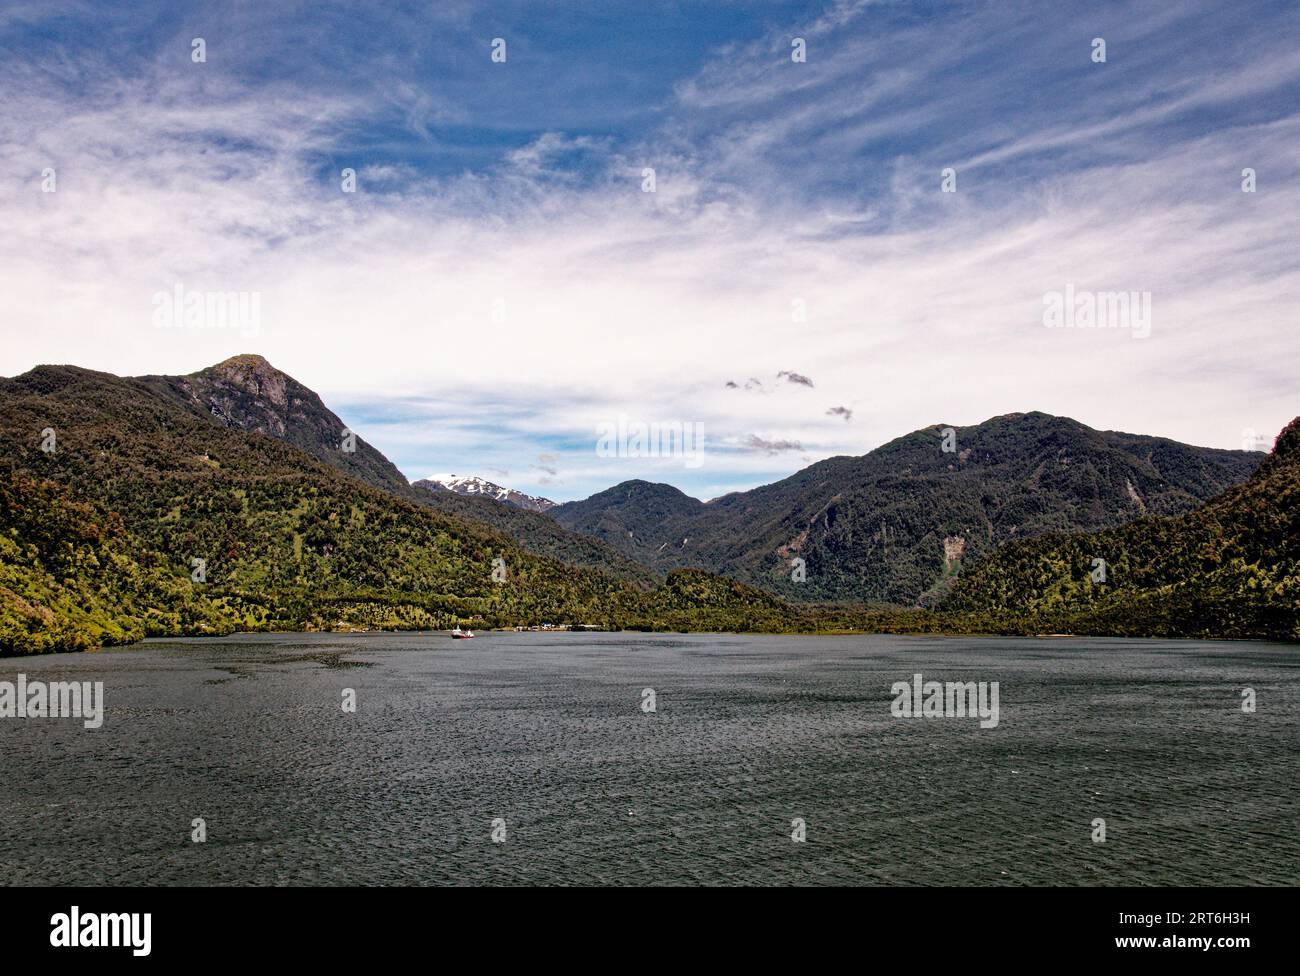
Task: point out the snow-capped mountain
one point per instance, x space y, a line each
472 485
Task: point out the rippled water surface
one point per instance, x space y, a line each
546 732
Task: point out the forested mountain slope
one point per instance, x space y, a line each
897 524
1228 569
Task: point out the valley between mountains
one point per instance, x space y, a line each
224 501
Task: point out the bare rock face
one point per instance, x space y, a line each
246 392
249 393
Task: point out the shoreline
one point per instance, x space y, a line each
946 634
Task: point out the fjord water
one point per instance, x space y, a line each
546 732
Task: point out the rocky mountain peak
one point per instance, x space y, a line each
249 393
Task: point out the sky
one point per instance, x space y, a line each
905 226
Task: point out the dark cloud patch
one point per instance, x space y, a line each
755 385
756 443
844 412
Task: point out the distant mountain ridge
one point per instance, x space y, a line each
536 532
895 525
473 485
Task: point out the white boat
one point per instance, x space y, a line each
458 634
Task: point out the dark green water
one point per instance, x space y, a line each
546 732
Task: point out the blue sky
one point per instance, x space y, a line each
500 285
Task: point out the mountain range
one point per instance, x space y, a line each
896 525
128 509
233 499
